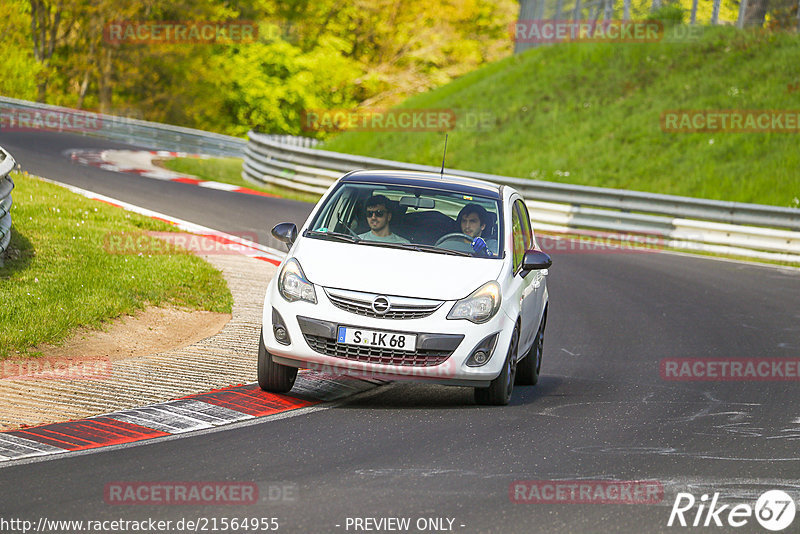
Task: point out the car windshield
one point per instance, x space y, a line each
421 218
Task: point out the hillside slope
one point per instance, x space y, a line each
590 113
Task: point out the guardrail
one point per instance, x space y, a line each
23 115
7 164
749 230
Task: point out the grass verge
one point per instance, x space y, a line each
229 171
590 114
58 275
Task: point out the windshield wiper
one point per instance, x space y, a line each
333 235
431 248
417 247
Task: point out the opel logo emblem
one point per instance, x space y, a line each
380 305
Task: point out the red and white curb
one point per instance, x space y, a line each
188 414
232 243
140 162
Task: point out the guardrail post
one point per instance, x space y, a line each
7 164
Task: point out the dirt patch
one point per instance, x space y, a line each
151 331
49 389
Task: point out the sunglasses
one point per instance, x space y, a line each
376 213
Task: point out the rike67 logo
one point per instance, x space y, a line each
774 510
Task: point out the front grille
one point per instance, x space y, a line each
386 356
401 308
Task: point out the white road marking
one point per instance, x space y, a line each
220 186
13 447
203 411
161 417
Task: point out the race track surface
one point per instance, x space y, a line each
602 409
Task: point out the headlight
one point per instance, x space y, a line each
480 306
293 285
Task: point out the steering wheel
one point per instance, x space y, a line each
346 227
453 236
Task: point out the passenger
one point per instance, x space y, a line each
378 218
473 219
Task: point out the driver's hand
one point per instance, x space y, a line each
479 247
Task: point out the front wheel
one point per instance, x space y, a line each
529 367
273 377
499 391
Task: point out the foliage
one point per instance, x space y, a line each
669 14
267 86
308 55
16 51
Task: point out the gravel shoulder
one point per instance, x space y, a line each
158 355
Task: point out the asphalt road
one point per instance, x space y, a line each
601 410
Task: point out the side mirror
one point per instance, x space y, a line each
285 232
535 260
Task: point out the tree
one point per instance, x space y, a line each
16 51
51 23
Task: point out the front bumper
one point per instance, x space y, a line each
443 346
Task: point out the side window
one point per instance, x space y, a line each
525 220
519 239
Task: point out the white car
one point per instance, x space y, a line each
409 275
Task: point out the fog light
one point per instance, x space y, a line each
482 353
279 328
281 334
480 357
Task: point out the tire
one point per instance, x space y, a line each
273 377
499 391
528 368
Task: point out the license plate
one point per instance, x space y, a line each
376 338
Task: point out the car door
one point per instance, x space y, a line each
532 286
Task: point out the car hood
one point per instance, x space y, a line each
391 271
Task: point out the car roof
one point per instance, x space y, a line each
446 182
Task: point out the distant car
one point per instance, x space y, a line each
382 281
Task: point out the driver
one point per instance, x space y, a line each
378 218
473 219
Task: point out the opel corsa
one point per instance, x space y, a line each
408 275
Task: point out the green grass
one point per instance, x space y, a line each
229 171
587 113
58 275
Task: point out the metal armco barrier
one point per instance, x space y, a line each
696 225
25 115
7 164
